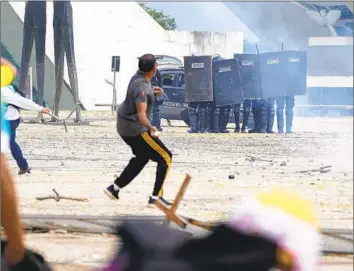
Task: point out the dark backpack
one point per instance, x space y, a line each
152 247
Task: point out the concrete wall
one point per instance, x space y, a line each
12 16
204 43
104 29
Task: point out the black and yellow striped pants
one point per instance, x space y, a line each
145 148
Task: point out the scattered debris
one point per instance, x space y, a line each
231 177
252 159
56 197
283 164
59 231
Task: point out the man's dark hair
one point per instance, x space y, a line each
147 62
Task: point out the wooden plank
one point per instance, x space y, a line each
178 198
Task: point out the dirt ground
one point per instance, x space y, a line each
82 162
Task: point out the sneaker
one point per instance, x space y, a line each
24 171
152 201
111 192
243 131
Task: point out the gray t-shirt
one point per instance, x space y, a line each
139 90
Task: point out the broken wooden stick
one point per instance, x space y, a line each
180 220
171 216
57 197
62 120
169 123
171 212
252 159
178 198
323 169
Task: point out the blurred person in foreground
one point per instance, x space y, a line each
136 131
276 230
14 255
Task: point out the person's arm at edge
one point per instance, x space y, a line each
12 98
10 218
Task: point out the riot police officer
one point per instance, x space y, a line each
156 118
281 102
246 113
218 117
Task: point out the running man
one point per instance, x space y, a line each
136 130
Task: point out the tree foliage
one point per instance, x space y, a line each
167 22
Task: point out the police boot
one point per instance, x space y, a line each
192 120
263 117
224 120
215 121
256 121
246 115
202 120
280 121
270 122
289 121
208 120
237 118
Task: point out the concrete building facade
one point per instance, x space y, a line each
103 30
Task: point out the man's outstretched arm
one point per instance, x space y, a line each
11 97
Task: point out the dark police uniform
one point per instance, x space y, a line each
289 102
246 113
156 118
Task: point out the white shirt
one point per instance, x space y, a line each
10 97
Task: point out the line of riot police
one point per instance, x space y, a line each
214 86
